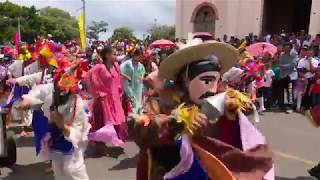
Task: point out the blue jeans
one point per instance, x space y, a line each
316 99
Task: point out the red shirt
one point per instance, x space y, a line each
316 86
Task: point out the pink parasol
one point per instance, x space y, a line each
258 49
162 43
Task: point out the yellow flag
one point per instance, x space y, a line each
82 31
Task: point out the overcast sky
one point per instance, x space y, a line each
136 14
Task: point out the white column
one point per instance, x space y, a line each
314 27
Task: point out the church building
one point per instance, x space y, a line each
241 17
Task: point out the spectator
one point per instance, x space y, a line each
232 40
316 52
275 82
316 41
225 38
269 76
268 38
315 88
287 63
307 41
300 89
302 53
255 39
308 66
302 37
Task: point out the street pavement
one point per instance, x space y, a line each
295 143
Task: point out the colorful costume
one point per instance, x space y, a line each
107 113
60 117
196 71
132 83
16 70
66 152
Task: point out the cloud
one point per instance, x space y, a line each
136 14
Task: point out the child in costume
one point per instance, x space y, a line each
61 130
300 89
49 140
182 144
269 76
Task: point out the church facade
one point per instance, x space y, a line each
241 17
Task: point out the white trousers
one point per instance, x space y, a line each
298 97
63 170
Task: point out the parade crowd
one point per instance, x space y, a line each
190 106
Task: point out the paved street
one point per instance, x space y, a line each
294 141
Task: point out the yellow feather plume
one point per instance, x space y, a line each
186 116
244 101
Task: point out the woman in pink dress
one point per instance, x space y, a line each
103 82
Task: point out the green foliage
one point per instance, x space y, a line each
95 29
35 22
162 32
122 33
59 23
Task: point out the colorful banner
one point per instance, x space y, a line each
82 31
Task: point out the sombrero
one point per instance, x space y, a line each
174 64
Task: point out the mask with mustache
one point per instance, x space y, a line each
201 78
206 95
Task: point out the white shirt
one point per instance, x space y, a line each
79 129
268 38
268 75
306 43
304 63
32 68
154 66
16 68
36 78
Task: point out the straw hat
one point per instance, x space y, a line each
195 51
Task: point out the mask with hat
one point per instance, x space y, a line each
199 66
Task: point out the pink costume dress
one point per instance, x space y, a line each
108 119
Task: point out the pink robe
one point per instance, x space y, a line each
105 87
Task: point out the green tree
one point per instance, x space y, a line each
34 22
9 15
122 33
162 32
59 23
96 28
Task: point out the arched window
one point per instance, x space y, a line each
204 20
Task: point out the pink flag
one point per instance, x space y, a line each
17 39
